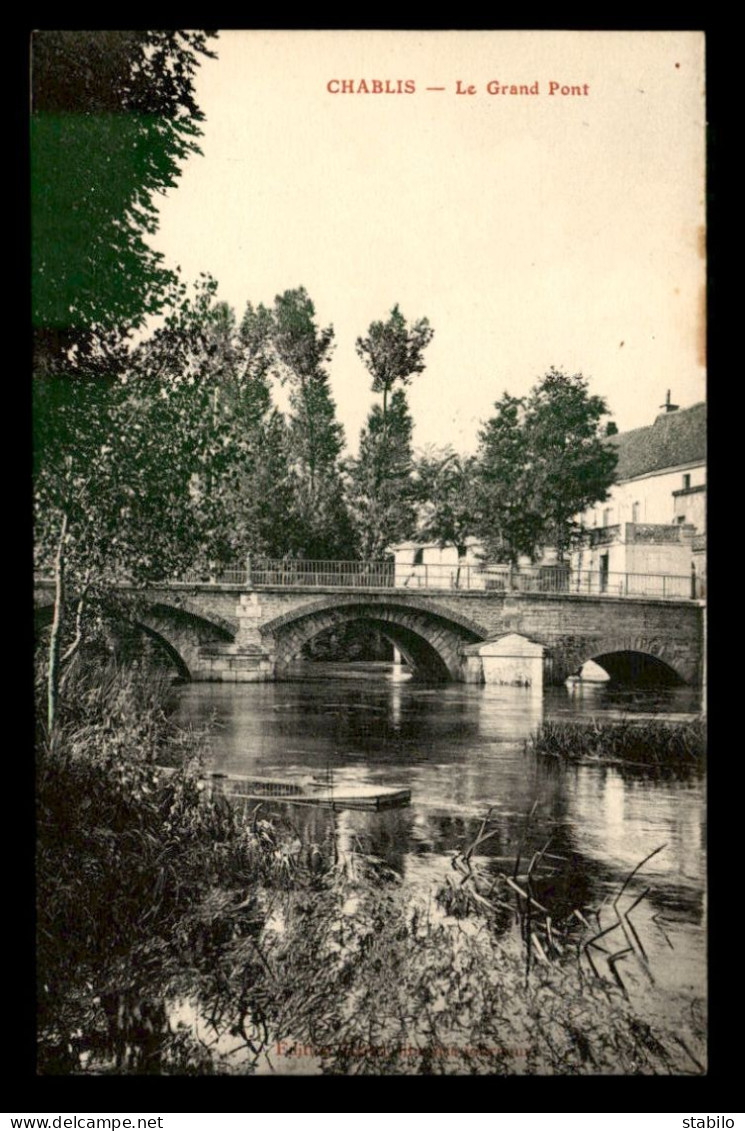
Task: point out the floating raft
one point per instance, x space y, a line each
310 792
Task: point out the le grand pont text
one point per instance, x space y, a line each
552 87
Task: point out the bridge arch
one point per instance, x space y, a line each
183 633
429 638
179 630
634 660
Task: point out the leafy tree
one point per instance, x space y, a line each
446 491
542 461
117 491
262 489
189 378
178 463
393 352
380 485
216 402
113 115
572 466
505 523
303 351
380 481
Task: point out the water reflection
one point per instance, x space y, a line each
461 751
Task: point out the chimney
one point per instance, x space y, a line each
668 406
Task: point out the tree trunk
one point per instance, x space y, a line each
55 639
461 552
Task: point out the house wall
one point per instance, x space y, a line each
430 565
664 557
430 554
672 559
654 494
671 497
690 506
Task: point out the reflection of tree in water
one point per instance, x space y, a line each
234 997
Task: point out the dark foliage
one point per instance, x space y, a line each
113 116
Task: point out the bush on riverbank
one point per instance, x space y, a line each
650 742
370 983
140 883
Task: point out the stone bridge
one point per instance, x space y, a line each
231 633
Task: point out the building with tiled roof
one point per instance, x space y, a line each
649 535
654 520
677 439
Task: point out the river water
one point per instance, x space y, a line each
460 750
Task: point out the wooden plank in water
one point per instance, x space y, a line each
368 803
310 792
360 797
241 787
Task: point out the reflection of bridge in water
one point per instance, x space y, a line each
249 624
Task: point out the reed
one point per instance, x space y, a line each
647 742
391 987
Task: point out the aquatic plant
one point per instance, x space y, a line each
644 742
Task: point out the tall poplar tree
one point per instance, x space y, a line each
318 525
381 488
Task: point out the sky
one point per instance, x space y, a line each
533 230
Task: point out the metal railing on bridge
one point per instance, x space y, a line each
304 574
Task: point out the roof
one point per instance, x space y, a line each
675 439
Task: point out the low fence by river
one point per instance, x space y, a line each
304 574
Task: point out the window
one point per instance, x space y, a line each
686 482
635 511
419 556
606 516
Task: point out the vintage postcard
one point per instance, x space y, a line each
370 379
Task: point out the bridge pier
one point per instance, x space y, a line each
231 663
246 659
511 660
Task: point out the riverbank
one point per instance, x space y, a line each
290 957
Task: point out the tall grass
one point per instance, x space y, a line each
140 881
649 742
365 982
